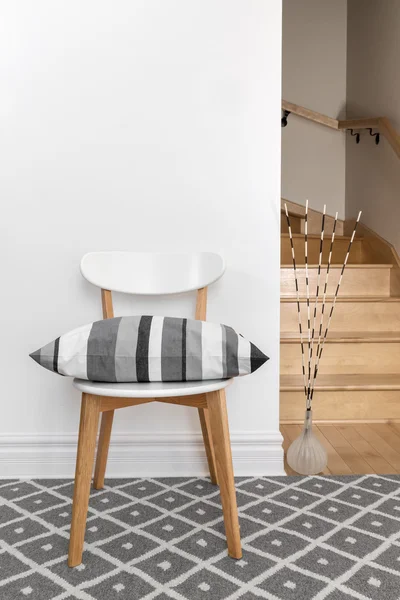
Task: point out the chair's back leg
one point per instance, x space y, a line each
223 457
107 417
201 313
90 411
208 443
102 449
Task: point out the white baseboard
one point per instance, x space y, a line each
139 455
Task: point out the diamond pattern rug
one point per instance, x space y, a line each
303 538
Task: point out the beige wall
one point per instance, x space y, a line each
373 86
314 76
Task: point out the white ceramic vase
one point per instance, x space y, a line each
306 455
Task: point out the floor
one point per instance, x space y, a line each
303 538
354 448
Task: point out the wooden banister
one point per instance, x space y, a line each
382 124
390 134
370 123
311 115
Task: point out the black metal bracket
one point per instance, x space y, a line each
286 113
375 135
356 135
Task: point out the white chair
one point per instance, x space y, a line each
156 274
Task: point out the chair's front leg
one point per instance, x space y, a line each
90 411
223 457
208 443
102 449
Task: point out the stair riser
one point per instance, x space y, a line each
366 405
295 224
314 227
314 220
344 357
338 255
347 316
355 282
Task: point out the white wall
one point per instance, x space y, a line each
373 174
314 76
136 125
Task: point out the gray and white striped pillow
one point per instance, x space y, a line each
145 348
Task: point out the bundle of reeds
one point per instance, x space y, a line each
306 455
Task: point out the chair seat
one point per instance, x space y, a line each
158 389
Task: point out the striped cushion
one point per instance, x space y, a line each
150 349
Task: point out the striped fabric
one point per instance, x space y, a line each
148 348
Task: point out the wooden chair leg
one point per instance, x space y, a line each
102 449
223 457
90 411
208 444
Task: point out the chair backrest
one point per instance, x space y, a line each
152 274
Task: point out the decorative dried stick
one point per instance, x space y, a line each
321 243
323 307
307 295
298 300
318 358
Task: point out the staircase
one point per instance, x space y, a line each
359 375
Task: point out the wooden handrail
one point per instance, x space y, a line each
383 124
390 134
359 124
311 115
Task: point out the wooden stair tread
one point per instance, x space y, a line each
373 381
339 266
316 236
344 299
346 336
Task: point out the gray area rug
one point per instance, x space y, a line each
303 538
